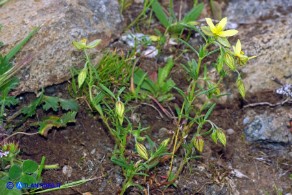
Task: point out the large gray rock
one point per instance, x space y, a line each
269 126
61 21
266 32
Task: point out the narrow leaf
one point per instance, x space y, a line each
159 13
209 111
194 13
16 49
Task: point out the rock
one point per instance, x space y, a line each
230 131
269 127
215 190
67 170
61 21
251 11
266 32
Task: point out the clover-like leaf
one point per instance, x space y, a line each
28 179
14 172
29 166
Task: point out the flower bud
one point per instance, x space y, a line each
80 45
221 137
120 111
141 149
199 143
164 143
229 60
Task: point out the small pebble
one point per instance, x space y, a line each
90 165
245 120
67 170
230 131
93 151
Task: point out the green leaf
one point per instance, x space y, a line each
82 76
209 111
159 13
28 179
220 63
194 13
168 85
15 172
107 90
69 104
7 85
56 121
31 108
18 47
68 117
142 80
41 167
9 101
171 177
50 103
163 73
5 191
29 166
122 163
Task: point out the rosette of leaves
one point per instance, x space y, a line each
159 88
171 22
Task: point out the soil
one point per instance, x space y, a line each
85 148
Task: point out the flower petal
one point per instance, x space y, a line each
221 25
206 30
238 47
227 33
210 24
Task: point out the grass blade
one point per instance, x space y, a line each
16 49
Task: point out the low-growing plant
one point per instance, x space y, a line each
125 4
159 88
8 81
19 176
173 24
15 171
191 119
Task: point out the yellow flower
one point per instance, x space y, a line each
240 54
218 30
